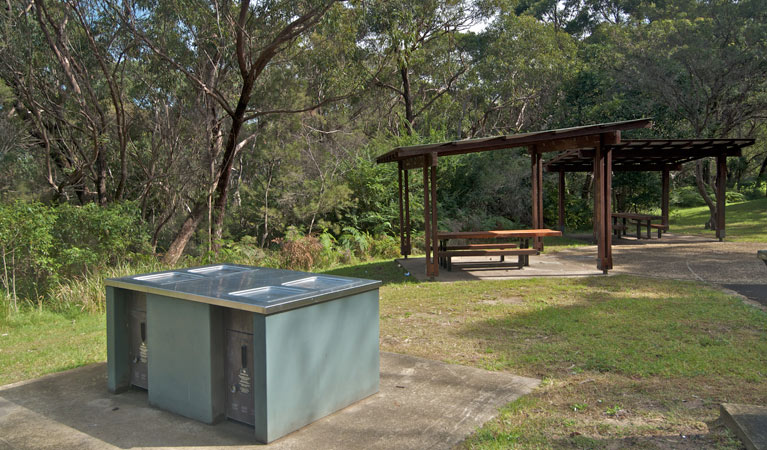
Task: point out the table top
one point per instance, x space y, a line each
541 232
636 216
259 289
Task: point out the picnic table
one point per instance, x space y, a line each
521 249
640 220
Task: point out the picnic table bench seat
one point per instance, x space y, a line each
660 227
641 220
522 249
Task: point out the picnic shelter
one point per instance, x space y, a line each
596 148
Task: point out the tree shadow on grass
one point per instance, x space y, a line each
620 328
388 272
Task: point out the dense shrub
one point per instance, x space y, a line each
734 197
753 190
297 251
686 196
26 243
91 236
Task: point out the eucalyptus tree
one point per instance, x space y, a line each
418 41
521 67
237 54
706 62
64 62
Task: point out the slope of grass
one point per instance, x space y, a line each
745 221
33 342
626 361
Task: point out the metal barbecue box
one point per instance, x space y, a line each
275 349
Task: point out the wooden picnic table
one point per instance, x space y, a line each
640 220
445 252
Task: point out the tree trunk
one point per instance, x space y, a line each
762 170
230 151
700 184
408 98
184 234
101 177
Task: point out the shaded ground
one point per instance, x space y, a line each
672 257
421 404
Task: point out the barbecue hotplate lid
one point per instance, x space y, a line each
258 289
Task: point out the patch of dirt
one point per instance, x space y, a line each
504 301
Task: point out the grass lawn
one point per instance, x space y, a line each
745 221
625 361
33 343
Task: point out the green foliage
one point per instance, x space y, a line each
734 197
91 237
26 245
42 246
685 197
636 191
753 190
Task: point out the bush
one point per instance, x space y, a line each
26 243
384 246
753 190
92 236
298 252
734 197
686 197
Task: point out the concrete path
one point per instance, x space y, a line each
422 404
748 422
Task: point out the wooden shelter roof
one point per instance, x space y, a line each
649 154
563 138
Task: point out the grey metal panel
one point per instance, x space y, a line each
237 320
318 359
185 359
118 341
139 348
240 401
226 289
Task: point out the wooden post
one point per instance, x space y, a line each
402 249
598 206
539 165
434 226
562 201
665 193
721 190
536 180
594 221
603 199
408 245
534 187
607 175
427 215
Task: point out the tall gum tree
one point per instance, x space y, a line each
239 43
65 63
704 61
418 40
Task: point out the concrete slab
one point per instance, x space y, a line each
489 268
748 422
672 257
755 292
422 404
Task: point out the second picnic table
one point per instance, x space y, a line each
522 250
641 220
